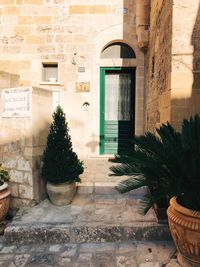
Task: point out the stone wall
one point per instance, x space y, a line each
8 80
22 141
173 62
72 34
185 77
159 63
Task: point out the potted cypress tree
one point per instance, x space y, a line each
61 167
169 163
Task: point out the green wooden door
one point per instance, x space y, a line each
117 109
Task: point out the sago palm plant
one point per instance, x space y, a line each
168 163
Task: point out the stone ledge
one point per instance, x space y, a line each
58 233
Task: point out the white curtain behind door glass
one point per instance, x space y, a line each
117 96
111 96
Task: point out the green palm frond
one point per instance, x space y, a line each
131 184
145 204
124 169
169 163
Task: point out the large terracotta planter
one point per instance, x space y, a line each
4 200
185 229
61 194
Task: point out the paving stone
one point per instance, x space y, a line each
149 264
106 259
41 259
145 254
40 249
105 247
5 257
81 200
2 239
126 261
55 248
8 249
4 264
63 262
76 210
173 263
85 257
127 248
154 252
104 215
86 188
12 264
105 188
69 251
108 200
81 264
23 249
21 260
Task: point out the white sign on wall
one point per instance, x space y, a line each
17 102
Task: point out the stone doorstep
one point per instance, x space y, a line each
62 233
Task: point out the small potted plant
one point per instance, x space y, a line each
169 162
4 192
61 166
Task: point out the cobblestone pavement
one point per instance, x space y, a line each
137 254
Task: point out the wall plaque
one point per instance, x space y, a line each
17 102
123 10
82 87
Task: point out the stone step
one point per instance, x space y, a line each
90 233
97 218
104 188
140 254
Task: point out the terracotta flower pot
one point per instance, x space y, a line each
4 200
185 229
61 194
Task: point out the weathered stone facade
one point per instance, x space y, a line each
173 62
159 63
22 144
72 34
185 82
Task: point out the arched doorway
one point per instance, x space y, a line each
117 101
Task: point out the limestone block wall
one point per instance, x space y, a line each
159 63
8 80
173 62
71 33
185 77
22 141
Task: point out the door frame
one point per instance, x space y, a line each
102 101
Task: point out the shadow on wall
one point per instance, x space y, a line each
21 153
173 72
93 145
195 103
159 64
8 80
196 52
187 102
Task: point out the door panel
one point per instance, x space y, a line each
117 109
